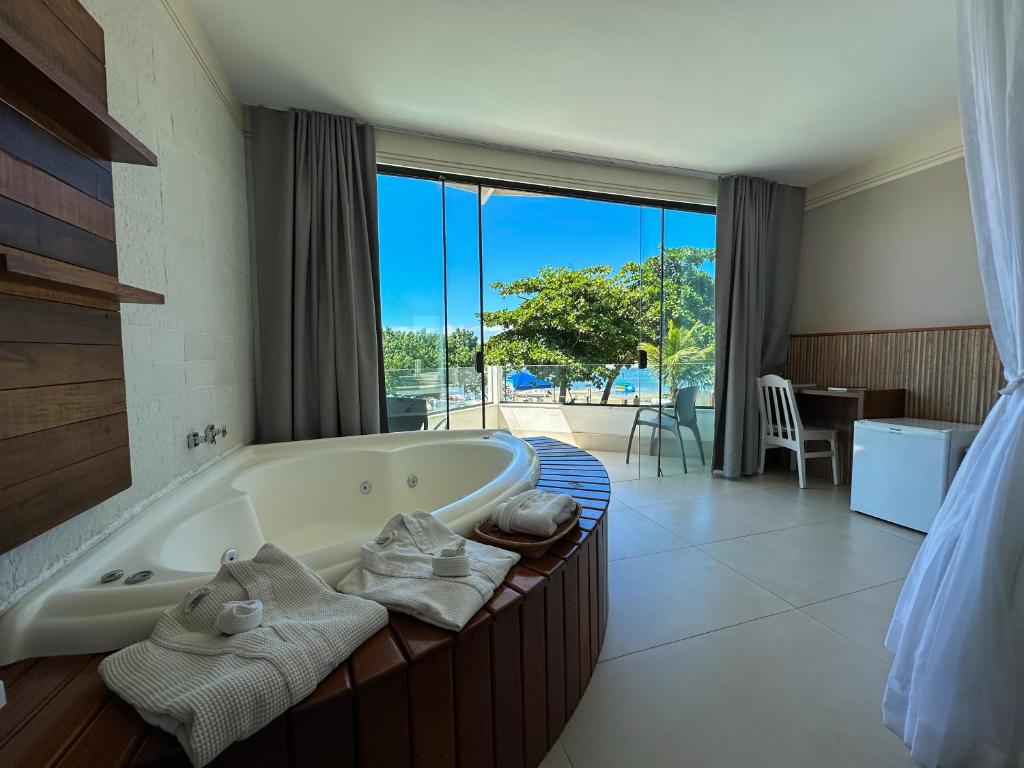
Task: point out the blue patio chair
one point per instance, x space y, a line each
406 414
682 413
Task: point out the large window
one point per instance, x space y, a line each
500 299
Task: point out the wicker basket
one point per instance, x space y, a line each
526 545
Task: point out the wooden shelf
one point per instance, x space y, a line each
33 85
29 268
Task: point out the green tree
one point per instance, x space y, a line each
682 359
571 323
412 349
413 352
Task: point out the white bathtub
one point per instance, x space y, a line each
319 500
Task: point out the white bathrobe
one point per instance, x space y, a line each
210 689
397 570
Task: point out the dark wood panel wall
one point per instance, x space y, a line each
951 374
63 421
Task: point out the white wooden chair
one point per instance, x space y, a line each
781 426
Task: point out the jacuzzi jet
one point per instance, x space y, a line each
365 487
412 481
138 577
111 576
229 556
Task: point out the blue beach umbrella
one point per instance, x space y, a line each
526 380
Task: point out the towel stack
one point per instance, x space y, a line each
534 512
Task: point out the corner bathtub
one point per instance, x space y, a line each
319 500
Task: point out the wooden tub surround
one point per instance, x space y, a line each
495 695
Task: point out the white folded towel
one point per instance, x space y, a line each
534 512
239 616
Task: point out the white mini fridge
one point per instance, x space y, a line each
902 468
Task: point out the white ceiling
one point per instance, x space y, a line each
792 89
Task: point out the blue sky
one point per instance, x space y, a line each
520 235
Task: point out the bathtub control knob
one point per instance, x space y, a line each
112 576
365 487
138 577
229 556
412 481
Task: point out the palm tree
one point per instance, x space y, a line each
684 359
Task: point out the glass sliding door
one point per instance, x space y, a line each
412 301
587 319
648 416
687 364
465 388
561 314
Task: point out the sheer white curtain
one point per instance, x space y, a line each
956 690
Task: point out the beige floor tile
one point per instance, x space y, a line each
728 515
895 530
826 496
556 758
780 692
668 596
815 562
658 490
631 534
861 616
618 470
835 498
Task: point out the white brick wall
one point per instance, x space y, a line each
182 230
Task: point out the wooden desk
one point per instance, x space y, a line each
838 411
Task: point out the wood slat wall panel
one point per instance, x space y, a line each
30 186
24 319
950 374
32 266
17 285
63 426
29 230
40 148
40 365
82 25
28 456
34 506
39 28
30 410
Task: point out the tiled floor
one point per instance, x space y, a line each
745 627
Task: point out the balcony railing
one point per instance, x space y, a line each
577 384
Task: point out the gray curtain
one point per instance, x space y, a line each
316 276
759 228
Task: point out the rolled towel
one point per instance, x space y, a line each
451 562
534 512
239 616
